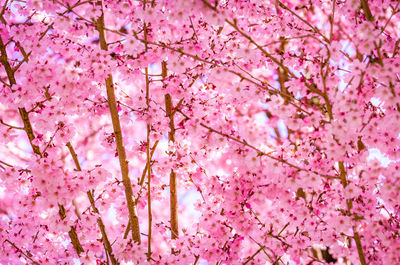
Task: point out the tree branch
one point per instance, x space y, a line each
27 255
118 137
172 176
106 242
29 131
349 206
367 11
150 216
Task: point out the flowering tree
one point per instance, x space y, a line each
199 132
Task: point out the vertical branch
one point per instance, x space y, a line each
173 197
22 111
172 176
359 248
31 136
367 10
343 178
106 242
282 74
148 169
75 240
134 220
349 206
148 146
332 20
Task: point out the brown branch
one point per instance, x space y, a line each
23 113
253 256
11 126
153 149
390 18
27 255
359 248
197 257
5 163
349 206
172 177
150 216
259 152
316 30
118 137
74 156
106 242
4 61
72 232
29 131
332 20
26 56
141 181
3 10
367 11
75 240
267 54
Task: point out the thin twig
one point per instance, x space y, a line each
22 252
150 216
259 152
253 256
316 30
11 126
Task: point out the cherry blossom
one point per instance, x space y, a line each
199 132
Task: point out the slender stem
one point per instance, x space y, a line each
253 256
316 30
118 137
197 257
148 175
9 165
390 18
27 255
74 156
150 216
332 20
153 149
259 152
106 241
141 181
359 248
276 61
11 126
